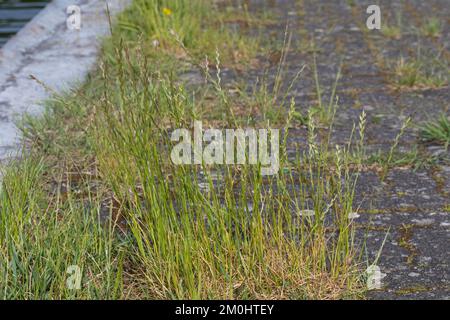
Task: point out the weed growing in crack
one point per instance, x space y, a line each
437 131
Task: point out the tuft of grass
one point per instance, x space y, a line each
394 29
194 242
437 131
432 27
160 26
394 157
393 32
42 236
421 73
408 73
99 191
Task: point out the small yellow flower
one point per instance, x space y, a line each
167 11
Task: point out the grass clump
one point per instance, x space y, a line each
437 131
394 29
393 32
160 26
432 27
238 236
421 73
